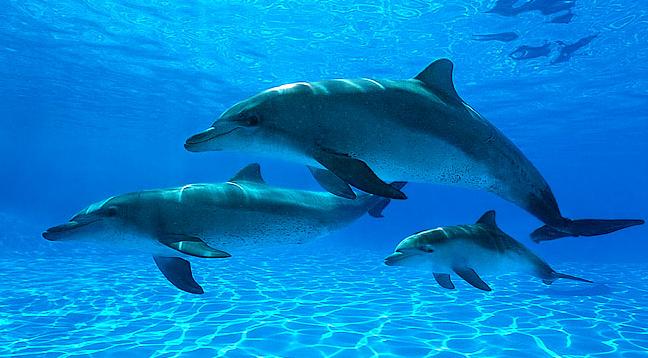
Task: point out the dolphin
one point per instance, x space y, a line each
471 250
369 132
211 220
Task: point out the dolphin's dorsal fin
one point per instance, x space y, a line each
251 173
438 77
488 219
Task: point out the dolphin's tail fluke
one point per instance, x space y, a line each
584 227
379 203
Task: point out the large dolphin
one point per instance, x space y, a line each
370 131
212 221
471 250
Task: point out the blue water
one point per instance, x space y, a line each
98 97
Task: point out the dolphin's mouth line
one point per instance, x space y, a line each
69 227
397 256
192 142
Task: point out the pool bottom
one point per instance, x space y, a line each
301 303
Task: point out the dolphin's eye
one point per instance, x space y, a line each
426 248
248 120
253 120
111 211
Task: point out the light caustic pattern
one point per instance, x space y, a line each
282 304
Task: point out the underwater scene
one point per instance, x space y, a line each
323 178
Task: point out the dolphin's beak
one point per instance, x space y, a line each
196 143
201 137
57 233
392 259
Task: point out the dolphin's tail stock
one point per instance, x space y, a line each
584 227
556 275
379 203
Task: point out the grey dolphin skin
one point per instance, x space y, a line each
211 220
368 132
471 250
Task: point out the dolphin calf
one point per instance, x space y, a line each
369 132
471 250
212 220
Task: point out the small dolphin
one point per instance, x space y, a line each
471 250
204 220
368 132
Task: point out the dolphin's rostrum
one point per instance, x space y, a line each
212 221
470 251
369 132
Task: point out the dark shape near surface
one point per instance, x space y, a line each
563 19
525 52
546 7
502 36
178 272
567 50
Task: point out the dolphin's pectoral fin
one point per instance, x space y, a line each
443 279
356 173
193 246
469 275
178 272
332 183
251 173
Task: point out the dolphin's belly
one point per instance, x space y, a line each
498 264
405 136
428 159
130 243
483 261
406 155
231 231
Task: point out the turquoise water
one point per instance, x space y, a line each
98 97
297 305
